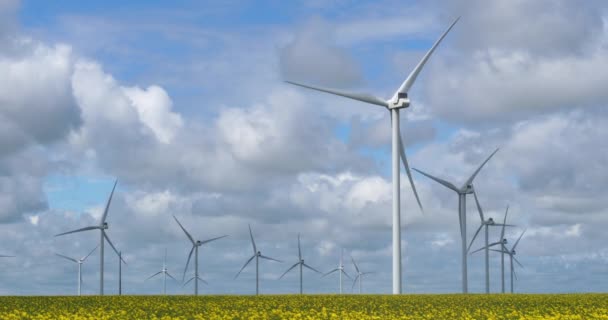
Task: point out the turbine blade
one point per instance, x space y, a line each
288 270
472 177
488 246
269 258
479 209
311 268
409 81
170 276
5 256
346 274
105 235
356 267
408 171
246 263
330 272
154 275
517 242
369 272
105 212
501 251
363 97
77 230
502 232
255 250
212 239
203 280
475 236
188 262
355 281
514 273
299 248
184 229
85 258
440 181
521 265
60 255
188 282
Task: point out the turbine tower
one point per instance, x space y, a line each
120 262
340 270
398 101
485 223
195 245
165 273
257 255
103 226
79 262
466 188
301 264
511 254
359 275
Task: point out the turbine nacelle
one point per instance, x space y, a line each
490 221
504 241
401 101
104 226
259 254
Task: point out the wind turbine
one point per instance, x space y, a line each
103 226
195 245
485 223
120 262
359 275
165 273
80 262
301 264
466 188
511 254
340 270
398 101
257 255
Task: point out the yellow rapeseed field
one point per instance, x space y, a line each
520 306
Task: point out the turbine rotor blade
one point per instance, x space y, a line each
60 255
255 250
184 229
269 258
5 256
408 171
330 272
311 268
78 230
299 248
521 265
85 258
363 97
472 177
356 267
188 262
409 81
212 239
170 276
346 274
476 233
501 251
502 232
517 242
479 209
152 276
355 281
440 181
289 270
203 281
488 246
105 212
246 263
185 283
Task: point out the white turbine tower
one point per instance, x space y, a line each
257 255
165 274
103 226
195 245
398 101
511 254
359 275
485 223
120 262
301 264
466 188
79 262
340 270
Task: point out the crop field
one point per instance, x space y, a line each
520 306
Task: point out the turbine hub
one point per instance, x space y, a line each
198 242
259 253
401 101
105 225
490 221
504 241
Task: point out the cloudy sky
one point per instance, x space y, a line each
184 103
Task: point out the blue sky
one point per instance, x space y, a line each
184 103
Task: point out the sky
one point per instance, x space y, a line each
184 102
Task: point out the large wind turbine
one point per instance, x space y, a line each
398 101
485 223
165 273
466 188
511 254
257 255
301 264
103 226
195 245
359 275
340 270
80 262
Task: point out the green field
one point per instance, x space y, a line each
519 306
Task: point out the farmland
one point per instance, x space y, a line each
519 306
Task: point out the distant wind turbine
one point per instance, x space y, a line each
79 262
195 245
511 254
257 255
340 270
485 223
359 275
398 101
301 264
165 274
466 188
103 226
